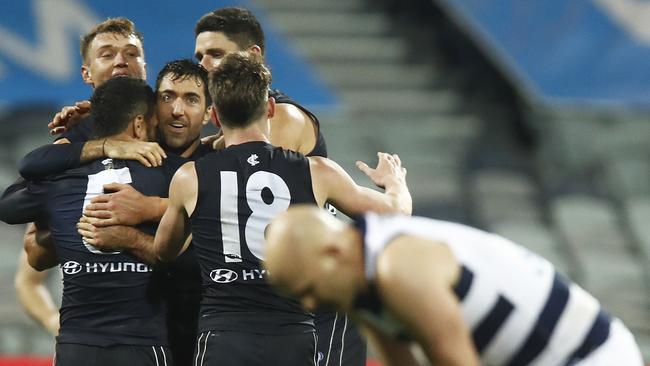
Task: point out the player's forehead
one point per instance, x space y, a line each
214 40
111 39
181 84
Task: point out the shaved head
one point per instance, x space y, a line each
296 236
308 254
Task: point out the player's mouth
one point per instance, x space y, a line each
176 127
119 74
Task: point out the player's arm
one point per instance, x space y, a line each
60 156
292 129
333 184
174 230
415 278
124 205
23 202
118 237
39 248
34 296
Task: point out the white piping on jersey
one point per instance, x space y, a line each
205 347
198 350
345 327
155 355
315 349
329 350
164 355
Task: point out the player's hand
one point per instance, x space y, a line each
122 206
107 239
389 170
149 154
68 117
216 141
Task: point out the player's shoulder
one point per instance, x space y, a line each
280 96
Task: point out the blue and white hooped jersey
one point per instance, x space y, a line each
520 311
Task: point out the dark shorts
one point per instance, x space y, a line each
182 328
339 341
232 348
70 354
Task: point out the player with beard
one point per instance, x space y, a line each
226 199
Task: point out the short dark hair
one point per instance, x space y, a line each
117 102
121 25
185 69
239 89
238 24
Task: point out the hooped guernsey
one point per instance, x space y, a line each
519 310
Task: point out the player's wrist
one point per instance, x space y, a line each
393 183
158 207
93 149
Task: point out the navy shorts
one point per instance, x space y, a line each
70 354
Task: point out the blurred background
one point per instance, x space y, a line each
529 119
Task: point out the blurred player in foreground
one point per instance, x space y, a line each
463 295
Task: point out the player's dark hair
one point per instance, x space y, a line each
121 26
117 102
238 24
239 89
184 69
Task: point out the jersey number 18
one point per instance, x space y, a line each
267 195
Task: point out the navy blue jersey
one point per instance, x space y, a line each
240 189
108 298
320 147
23 202
81 132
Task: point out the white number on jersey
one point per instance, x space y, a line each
96 187
260 185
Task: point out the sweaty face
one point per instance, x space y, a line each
211 47
112 54
181 111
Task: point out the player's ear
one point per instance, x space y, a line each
255 49
140 128
213 113
85 75
271 107
207 115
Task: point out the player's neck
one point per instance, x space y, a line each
123 136
236 137
254 132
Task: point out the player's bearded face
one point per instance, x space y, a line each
111 55
181 112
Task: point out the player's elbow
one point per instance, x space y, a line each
40 262
161 252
